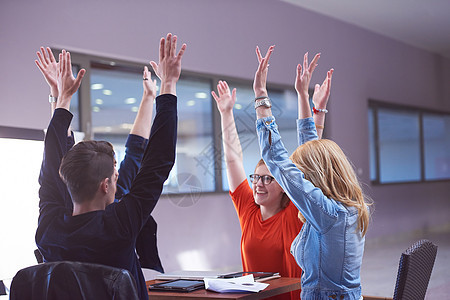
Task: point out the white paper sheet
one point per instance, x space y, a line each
234 285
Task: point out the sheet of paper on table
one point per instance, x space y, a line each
234 285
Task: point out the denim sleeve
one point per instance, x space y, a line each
306 130
317 209
134 151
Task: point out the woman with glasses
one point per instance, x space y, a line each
269 220
321 182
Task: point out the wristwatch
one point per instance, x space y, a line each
265 101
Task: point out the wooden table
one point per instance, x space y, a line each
276 286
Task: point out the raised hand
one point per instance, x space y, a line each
259 83
322 92
148 84
48 66
225 101
303 79
67 83
169 67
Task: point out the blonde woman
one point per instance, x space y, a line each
269 220
320 181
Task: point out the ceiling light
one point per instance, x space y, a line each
130 100
107 92
97 86
95 109
99 101
238 106
190 103
134 109
201 95
126 126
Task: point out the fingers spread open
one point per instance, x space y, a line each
161 48
50 54
258 54
181 52
168 43
313 63
305 62
173 46
215 96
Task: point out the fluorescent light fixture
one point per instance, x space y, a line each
99 101
95 109
126 126
130 100
107 92
96 86
201 95
190 103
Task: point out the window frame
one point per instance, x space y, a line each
375 105
86 61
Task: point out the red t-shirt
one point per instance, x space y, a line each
265 245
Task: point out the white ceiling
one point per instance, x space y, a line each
421 23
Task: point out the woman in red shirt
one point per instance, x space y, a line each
269 221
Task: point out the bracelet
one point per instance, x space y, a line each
52 99
319 126
262 97
318 110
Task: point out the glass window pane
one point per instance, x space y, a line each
115 97
284 108
194 166
372 151
436 132
399 146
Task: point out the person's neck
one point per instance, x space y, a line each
87 206
268 212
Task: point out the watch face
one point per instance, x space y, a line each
264 102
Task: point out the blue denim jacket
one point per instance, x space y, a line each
329 247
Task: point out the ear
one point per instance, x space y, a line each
104 185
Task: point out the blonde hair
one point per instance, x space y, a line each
284 199
326 166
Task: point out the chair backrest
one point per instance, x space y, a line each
414 271
73 280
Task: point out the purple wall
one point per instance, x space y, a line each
221 38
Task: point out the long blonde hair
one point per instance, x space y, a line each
326 166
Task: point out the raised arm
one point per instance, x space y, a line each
159 156
48 66
169 68
53 192
259 83
143 122
302 81
138 138
230 138
320 100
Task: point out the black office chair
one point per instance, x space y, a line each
414 271
72 280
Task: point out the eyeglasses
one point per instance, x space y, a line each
266 179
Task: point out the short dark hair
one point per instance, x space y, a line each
85 166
